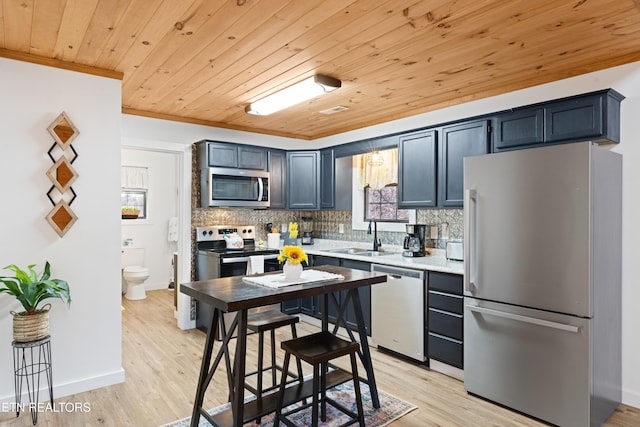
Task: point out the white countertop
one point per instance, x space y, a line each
430 263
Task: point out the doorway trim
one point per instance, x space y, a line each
184 153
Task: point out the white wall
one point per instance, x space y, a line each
625 79
162 203
86 338
137 129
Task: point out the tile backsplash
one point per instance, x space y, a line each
326 223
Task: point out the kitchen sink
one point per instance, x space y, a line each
375 253
359 251
348 250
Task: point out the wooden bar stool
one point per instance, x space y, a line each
260 323
317 350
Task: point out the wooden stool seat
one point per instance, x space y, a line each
317 350
269 321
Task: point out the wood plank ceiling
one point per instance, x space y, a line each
202 61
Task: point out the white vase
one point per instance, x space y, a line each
292 271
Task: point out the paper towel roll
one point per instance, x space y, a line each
273 240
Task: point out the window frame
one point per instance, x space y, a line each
144 214
393 203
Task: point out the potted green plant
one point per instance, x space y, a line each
30 290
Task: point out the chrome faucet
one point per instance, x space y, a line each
376 241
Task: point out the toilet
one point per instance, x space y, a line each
133 273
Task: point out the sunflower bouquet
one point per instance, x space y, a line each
293 254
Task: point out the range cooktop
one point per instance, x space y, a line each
211 239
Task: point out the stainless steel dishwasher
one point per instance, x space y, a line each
397 311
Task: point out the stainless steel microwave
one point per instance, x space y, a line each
234 187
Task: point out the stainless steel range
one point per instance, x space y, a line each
214 259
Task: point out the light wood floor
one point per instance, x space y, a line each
162 363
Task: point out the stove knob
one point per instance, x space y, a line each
204 232
210 232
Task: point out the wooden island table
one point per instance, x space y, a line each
232 294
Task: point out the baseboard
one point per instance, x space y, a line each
631 398
154 286
67 389
445 369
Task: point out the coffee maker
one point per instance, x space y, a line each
414 241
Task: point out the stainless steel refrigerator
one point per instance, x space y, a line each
543 281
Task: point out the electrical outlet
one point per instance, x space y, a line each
341 228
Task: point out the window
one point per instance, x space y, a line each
134 181
135 199
374 194
381 204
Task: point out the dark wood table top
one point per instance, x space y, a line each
233 294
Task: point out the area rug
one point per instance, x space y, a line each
391 408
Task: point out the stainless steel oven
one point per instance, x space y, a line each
214 260
234 187
212 265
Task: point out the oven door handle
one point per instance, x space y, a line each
245 258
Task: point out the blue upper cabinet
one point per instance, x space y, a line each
222 154
228 155
430 160
518 129
250 157
457 142
303 180
327 179
417 169
277 179
593 116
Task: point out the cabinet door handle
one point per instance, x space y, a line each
470 201
525 319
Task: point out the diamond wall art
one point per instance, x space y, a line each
62 174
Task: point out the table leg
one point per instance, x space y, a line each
237 403
48 370
204 369
324 306
364 344
17 379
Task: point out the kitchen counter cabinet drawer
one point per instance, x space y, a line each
445 350
445 282
446 302
447 324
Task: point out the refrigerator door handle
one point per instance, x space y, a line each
470 198
525 319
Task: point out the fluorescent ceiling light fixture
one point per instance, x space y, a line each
295 94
